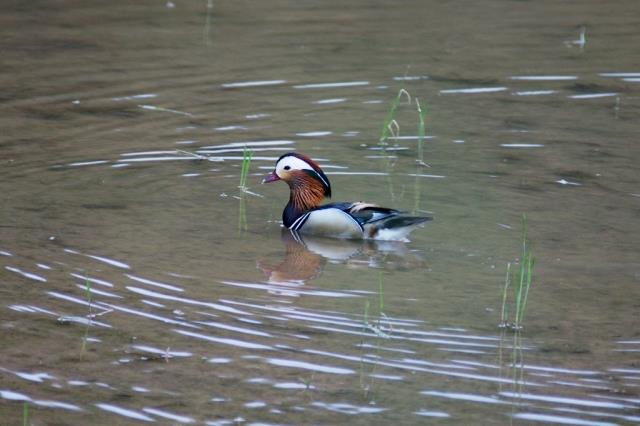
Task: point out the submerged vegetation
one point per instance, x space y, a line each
247 154
89 297
244 173
517 279
375 326
422 114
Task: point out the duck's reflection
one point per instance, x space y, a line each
305 257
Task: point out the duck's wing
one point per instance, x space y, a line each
384 223
366 213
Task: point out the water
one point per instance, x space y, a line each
139 284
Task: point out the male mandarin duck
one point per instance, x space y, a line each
309 185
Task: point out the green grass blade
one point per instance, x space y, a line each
422 114
365 315
87 290
530 263
389 121
380 294
505 290
244 171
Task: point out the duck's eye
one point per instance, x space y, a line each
287 167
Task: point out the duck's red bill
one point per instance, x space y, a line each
271 177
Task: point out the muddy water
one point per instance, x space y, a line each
139 284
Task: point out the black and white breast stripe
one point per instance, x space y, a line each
299 222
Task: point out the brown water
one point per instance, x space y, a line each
141 284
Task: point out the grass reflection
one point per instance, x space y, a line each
519 281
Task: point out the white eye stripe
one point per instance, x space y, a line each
294 163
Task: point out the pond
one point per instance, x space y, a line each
140 283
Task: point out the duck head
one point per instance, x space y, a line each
307 182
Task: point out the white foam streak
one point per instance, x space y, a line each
314 134
558 370
108 261
475 90
358 173
410 78
448 342
167 415
57 404
154 283
565 400
330 101
427 413
405 138
87 163
28 275
149 316
258 83
479 377
544 77
426 175
344 408
434 364
161 109
99 292
250 143
232 328
165 352
521 145
331 85
149 159
593 95
162 296
289 291
92 280
13 396
625 370
21 308
548 418
224 340
344 323
290 386
68 298
620 74
227 150
309 366
35 377
465 397
125 412
132 97
535 93
147 153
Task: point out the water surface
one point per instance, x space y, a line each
140 284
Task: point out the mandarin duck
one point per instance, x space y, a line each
309 185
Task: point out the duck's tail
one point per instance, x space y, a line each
394 228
